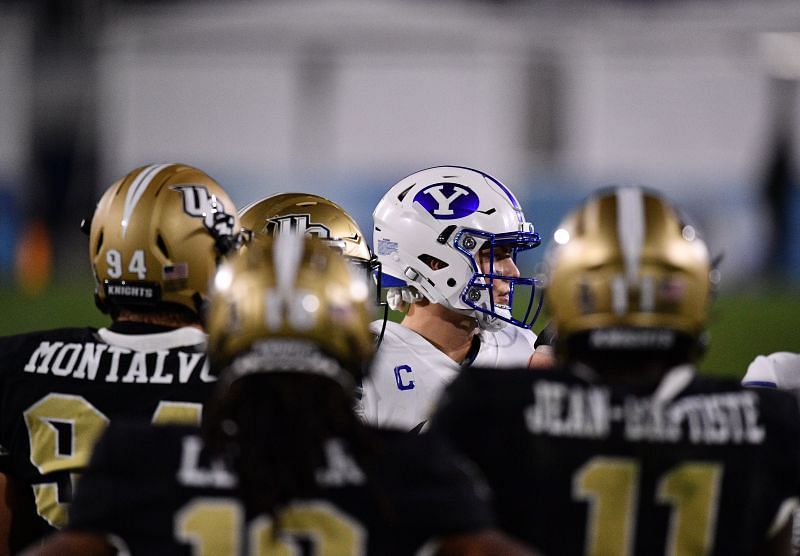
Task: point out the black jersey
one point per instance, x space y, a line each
700 466
184 503
59 389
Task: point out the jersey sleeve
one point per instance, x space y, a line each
5 444
5 455
10 349
530 336
454 417
782 454
547 337
122 479
760 373
445 494
777 370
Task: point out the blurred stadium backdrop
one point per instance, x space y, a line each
344 97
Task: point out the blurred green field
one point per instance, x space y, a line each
742 326
746 325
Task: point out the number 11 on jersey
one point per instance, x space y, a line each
611 487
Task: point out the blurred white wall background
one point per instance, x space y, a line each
344 97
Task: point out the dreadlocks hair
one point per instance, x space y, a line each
272 428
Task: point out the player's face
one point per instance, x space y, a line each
503 266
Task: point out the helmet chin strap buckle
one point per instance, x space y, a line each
411 274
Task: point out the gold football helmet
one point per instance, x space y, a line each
157 235
627 271
310 215
289 304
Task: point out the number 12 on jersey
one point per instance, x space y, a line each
611 487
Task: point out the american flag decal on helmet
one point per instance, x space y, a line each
178 271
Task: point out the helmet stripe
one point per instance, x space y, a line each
630 229
287 254
136 190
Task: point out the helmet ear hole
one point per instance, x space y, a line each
99 243
432 262
162 246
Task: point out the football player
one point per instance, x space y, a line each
155 240
283 464
447 239
628 450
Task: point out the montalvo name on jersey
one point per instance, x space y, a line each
109 363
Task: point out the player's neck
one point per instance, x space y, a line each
450 332
639 376
158 318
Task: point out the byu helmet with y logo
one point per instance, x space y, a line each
430 230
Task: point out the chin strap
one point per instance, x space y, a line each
379 338
398 299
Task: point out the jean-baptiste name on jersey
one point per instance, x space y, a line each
93 361
587 412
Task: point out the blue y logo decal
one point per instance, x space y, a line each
446 201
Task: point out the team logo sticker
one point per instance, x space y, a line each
199 203
299 224
448 201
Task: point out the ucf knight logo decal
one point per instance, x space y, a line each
198 202
298 224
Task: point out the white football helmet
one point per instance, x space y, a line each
429 230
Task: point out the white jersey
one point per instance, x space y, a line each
777 370
409 372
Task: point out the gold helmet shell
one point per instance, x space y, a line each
311 215
157 235
627 260
289 304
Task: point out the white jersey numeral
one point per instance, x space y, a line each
135 266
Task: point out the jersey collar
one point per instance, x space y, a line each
178 337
